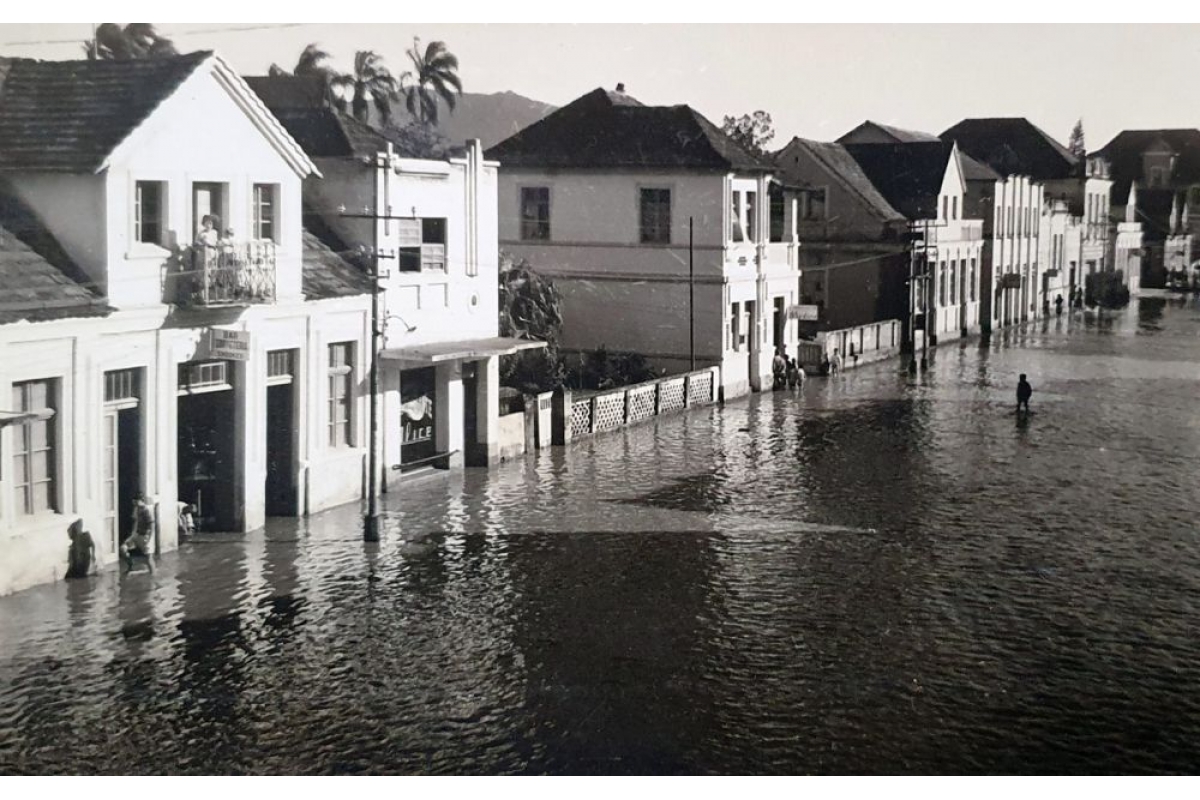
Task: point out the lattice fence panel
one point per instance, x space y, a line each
610 411
672 395
581 418
641 403
700 388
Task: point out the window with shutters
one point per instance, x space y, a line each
34 448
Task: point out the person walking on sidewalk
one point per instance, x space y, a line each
1024 392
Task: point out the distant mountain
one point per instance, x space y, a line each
491 118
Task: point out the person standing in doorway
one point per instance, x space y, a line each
1024 392
81 555
1058 304
141 540
779 370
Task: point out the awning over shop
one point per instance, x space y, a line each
15 417
463 350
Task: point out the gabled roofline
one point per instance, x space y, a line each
845 182
250 104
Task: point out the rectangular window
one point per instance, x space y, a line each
535 213
972 283
194 376
945 207
751 210
209 200
654 219
739 234
954 207
149 207
422 245
34 457
953 282
777 214
341 393
120 385
266 210
734 325
941 268
814 204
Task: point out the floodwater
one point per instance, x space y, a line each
881 574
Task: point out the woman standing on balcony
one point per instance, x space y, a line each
208 235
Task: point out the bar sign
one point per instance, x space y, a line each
230 345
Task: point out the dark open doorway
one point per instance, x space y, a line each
281 435
206 445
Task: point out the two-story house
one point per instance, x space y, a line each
855 257
432 224
1156 173
169 328
1032 253
661 233
926 181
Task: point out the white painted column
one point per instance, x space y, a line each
448 411
486 447
390 433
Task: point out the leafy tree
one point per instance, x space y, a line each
434 75
751 131
530 308
1075 143
136 40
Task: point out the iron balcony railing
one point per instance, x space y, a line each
230 273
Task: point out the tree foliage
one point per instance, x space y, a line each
751 131
1076 144
530 308
370 84
135 40
434 75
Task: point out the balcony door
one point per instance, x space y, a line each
209 198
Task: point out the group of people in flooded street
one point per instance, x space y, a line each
786 372
140 543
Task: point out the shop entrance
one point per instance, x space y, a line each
122 453
281 434
206 444
417 391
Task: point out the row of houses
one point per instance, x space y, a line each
204 274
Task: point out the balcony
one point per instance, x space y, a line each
228 274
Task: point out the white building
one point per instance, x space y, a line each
926 182
140 359
433 223
634 210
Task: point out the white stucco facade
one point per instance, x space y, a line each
137 399
625 294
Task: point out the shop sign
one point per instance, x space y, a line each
229 345
416 418
805 313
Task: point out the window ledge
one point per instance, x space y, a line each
143 250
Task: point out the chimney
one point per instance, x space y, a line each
621 88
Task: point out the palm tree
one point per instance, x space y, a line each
135 40
434 76
371 82
371 79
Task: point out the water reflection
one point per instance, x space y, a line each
878 573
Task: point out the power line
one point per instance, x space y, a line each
230 29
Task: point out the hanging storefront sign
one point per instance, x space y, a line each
806 313
229 345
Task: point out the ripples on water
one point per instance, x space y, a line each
881 574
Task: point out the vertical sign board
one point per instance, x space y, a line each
229 345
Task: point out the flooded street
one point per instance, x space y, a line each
881 574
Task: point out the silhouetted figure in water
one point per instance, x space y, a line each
1024 392
1058 304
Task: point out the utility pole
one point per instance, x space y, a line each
691 297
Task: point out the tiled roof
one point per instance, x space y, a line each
887 134
37 280
67 116
326 274
834 158
1013 146
908 175
302 105
974 171
598 131
1124 154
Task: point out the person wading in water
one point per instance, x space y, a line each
1024 392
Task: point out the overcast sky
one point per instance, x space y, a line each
817 81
